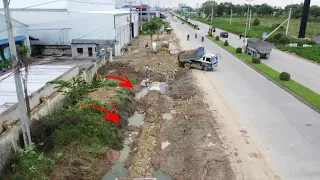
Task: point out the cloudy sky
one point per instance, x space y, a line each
192 3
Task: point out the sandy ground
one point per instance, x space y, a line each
247 161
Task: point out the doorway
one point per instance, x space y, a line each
132 30
90 51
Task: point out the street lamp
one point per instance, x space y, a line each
245 33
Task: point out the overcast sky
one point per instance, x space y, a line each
192 3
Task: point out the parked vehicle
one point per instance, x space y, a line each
198 59
258 48
224 34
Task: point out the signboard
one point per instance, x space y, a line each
185 9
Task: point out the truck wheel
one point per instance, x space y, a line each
187 65
205 68
267 56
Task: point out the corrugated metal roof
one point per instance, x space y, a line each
38 76
17 38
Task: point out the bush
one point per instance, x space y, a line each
284 40
274 26
256 22
284 76
31 165
226 43
217 38
239 50
277 36
256 60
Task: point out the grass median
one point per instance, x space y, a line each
303 92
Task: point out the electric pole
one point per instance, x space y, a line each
231 18
130 20
24 119
245 33
148 10
250 20
212 11
141 15
287 30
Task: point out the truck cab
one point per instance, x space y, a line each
211 59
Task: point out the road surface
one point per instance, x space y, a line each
302 71
287 130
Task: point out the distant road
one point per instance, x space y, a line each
302 71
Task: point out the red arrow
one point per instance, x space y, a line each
124 82
110 117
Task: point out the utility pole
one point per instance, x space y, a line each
24 119
231 18
287 30
141 15
212 12
245 33
130 20
148 10
250 20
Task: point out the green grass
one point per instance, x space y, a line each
305 93
311 53
239 24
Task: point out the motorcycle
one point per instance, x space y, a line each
195 36
188 37
202 39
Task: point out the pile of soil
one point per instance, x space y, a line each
195 150
161 63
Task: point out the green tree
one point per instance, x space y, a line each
151 28
159 22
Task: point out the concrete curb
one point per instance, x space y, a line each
272 80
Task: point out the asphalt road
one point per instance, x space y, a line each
288 129
302 71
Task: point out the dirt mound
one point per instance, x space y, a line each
76 163
182 87
195 151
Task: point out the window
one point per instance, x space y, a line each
95 49
80 50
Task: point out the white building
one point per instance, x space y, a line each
89 25
20 33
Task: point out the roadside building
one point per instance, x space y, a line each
21 36
143 11
82 27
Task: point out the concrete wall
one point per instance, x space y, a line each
51 27
85 50
35 98
9 139
92 26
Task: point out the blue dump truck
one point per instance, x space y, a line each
198 59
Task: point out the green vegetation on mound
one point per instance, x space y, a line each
70 142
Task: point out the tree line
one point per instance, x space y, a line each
225 8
